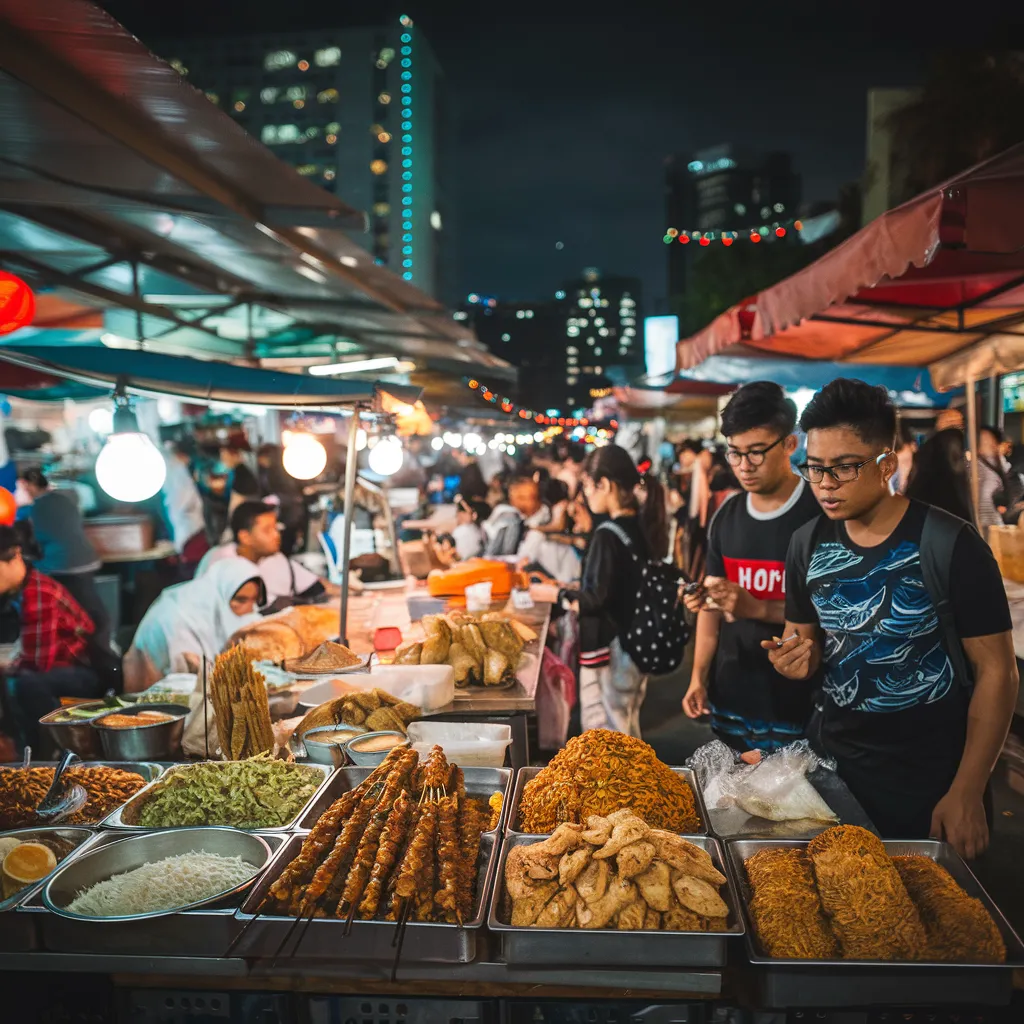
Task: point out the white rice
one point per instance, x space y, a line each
163 885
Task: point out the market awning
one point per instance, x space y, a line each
37 368
124 189
921 282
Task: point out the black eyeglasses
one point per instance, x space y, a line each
755 457
842 474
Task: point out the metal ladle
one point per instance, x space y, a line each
62 799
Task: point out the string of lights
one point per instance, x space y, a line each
755 234
510 408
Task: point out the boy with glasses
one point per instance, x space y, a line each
903 606
742 600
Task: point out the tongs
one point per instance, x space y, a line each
62 798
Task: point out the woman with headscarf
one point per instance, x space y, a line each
192 620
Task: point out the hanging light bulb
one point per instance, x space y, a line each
386 456
130 467
361 439
304 456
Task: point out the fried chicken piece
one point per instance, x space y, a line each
679 919
652 920
571 866
560 910
697 895
518 883
786 909
867 904
635 858
632 916
627 830
684 856
593 882
599 913
959 927
656 886
526 909
598 831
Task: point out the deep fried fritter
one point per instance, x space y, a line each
786 908
959 927
601 772
866 902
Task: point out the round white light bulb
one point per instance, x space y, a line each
101 420
130 467
471 441
437 443
360 439
304 456
386 456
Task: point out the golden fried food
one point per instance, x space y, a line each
240 706
786 909
601 772
959 927
326 657
866 902
22 790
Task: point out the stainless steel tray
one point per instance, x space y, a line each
368 941
608 947
735 823
205 932
115 820
18 934
865 983
481 783
524 775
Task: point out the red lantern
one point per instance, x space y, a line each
798 225
8 507
705 240
780 232
726 240
17 303
755 237
684 239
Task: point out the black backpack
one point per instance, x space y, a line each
938 539
658 634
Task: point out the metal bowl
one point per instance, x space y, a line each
63 842
372 758
77 735
325 751
160 741
131 853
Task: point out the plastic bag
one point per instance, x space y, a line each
776 788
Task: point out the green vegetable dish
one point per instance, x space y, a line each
257 793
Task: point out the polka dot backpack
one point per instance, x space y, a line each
658 634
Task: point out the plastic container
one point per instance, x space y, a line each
468 744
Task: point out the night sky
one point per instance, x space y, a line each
566 111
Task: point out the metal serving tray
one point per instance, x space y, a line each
18 935
116 820
368 941
608 947
524 775
204 932
865 983
481 783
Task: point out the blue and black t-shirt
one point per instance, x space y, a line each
895 715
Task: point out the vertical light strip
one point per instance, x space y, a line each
407 141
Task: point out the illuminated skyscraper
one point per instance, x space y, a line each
358 111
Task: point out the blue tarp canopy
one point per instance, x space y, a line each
908 386
93 371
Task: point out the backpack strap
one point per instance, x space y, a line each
619 532
938 540
803 543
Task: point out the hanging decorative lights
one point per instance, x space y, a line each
17 303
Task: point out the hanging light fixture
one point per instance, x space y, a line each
386 456
304 456
129 467
17 303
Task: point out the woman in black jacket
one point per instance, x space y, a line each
612 688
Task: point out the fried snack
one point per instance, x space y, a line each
22 790
369 710
959 927
271 640
601 772
786 909
240 706
866 902
496 802
327 657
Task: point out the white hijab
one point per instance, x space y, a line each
195 617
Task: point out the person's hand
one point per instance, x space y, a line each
583 521
793 658
730 597
694 601
695 703
959 818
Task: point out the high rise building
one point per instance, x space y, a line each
724 188
584 339
359 111
886 178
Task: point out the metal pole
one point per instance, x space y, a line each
972 441
350 500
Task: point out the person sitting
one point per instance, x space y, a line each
258 539
193 620
467 539
55 634
560 561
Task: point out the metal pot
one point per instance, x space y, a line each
160 741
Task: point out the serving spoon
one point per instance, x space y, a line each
62 800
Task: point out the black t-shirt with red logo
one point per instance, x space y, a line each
749 548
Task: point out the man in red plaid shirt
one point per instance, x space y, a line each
55 634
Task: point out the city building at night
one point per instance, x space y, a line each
359 111
724 188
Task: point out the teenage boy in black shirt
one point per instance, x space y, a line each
904 607
750 707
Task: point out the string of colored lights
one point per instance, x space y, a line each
509 407
758 233
407 213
